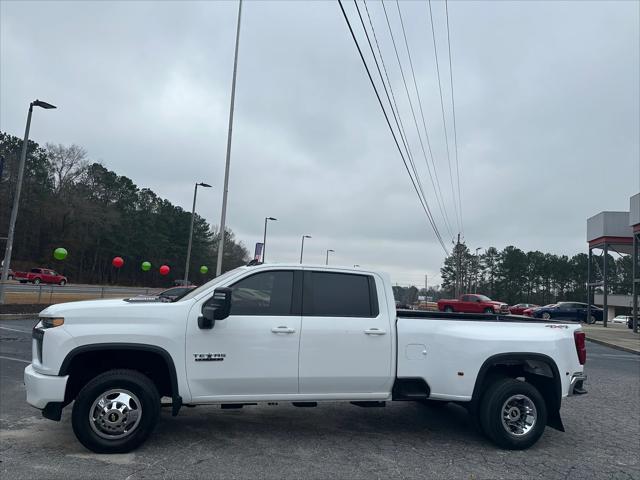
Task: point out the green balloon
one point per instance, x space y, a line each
60 253
204 269
146 266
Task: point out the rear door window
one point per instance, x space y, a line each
328 294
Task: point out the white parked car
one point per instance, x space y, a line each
622 319
300 334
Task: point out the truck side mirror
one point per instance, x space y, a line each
217 308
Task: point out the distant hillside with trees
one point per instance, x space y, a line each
514 276
96 214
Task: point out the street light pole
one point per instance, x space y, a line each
228 159
16 198
302 247
193 214
264 238
327 260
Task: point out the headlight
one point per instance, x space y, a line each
50 322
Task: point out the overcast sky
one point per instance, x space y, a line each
547 110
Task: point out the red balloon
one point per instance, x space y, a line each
164 270
117 262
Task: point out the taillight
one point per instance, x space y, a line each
581 348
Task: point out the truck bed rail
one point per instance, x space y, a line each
474 317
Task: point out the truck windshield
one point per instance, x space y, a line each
195 291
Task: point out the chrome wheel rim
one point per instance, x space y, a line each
115 414
519 415
546 316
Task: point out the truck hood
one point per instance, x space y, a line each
70 307
115 308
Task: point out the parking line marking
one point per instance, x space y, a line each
15 330
14 359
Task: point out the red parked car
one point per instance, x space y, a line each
519 308
40 275
472 303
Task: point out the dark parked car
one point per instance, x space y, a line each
519 308
572 311
630 321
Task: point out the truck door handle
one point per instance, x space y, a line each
283 329
374 331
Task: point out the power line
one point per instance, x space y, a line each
406 88
453 109
399 124
437 189
402 132
444 120
392 99
395 139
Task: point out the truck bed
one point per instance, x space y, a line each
447 350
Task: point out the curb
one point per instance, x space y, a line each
614 346
18 316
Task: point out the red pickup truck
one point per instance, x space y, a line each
40 275
472 303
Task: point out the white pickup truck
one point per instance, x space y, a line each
300 334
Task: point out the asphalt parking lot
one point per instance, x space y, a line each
403 440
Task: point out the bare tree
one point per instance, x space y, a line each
67 164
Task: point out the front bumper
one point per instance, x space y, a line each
576 387
43 389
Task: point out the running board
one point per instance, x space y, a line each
369 404
233 406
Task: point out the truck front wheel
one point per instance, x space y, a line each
116 411
448 309
513 414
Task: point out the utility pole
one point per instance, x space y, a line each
228 160
458 269
476 268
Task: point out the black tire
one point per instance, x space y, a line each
36 281
546 316
488 310
448 309
492 408
130 381
591 320
62 283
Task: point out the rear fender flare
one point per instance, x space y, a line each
553 398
